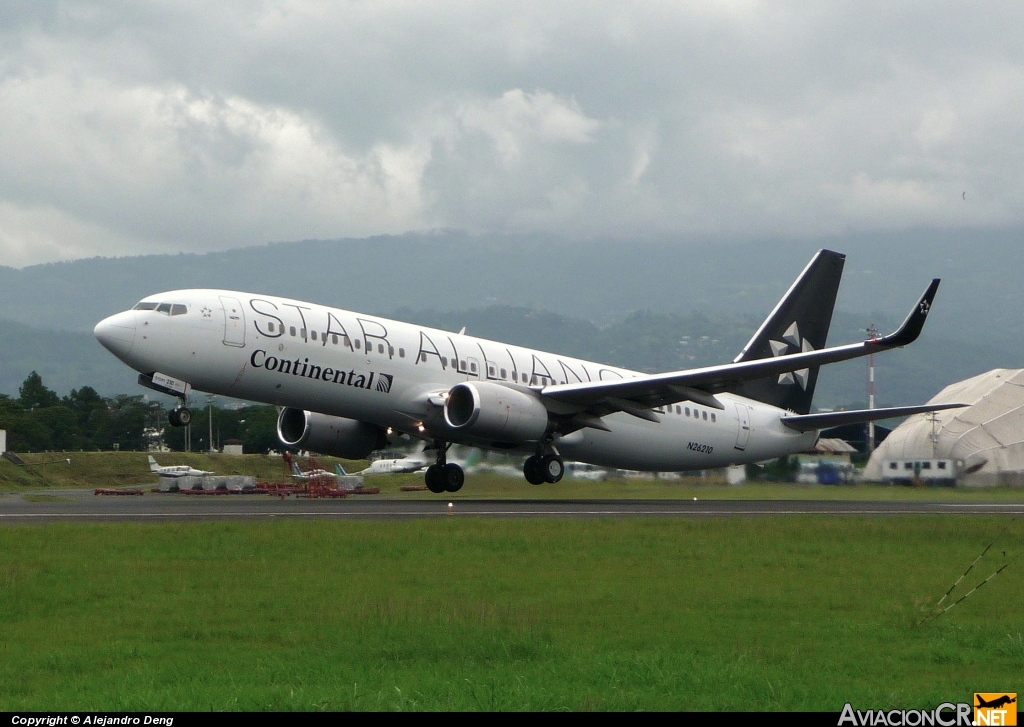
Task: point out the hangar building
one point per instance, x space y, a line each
985 439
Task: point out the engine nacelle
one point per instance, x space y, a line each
334 436
494 412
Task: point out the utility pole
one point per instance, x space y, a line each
209 402
872 335
934 436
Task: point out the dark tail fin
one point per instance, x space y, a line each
799 323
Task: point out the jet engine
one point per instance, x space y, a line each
497 413
334 436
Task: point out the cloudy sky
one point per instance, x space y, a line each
130 127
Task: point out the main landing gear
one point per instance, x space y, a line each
180 416
541 468
444 476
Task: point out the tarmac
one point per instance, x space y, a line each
84 506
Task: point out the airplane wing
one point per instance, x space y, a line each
808 422
637 396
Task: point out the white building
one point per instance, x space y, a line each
984 441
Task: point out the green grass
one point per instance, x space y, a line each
758 613
130 469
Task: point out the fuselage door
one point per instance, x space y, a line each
742 426
234 321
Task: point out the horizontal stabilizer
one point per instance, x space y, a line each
809 422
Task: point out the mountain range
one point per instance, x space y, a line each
652 305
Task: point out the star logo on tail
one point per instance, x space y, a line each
791 338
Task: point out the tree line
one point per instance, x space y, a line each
40 420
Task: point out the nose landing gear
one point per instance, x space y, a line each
180 416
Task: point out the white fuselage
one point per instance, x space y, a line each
303 355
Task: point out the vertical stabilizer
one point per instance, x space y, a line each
799 323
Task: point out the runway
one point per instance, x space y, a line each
78 506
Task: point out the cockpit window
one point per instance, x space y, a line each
178 309
145 305
164 308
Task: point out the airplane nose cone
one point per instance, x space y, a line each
117 333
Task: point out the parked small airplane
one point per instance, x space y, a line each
345 380
413 462
181 470
315 474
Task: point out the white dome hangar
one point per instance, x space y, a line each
985 439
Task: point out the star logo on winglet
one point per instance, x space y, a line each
925 307
781 348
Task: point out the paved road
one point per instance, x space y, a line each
84 506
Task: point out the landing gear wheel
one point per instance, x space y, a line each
434 478
552 468
532 470
453 477
180 416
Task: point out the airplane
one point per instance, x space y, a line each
414 462
995 703
315 474
181 470
345 380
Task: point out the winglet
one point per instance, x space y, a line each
911 328
340 470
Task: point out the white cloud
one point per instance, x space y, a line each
191 126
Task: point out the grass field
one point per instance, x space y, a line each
759 613
124 469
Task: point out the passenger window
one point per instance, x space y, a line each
291 330
423 357
713 417
313 335
926 466
145 306
270 327
401 353
302 333
345 340
380 348
705 415
334 338
472 367
357 343
178 309
908 466
892 465
504 374
942 465
444 361
687 411
391 350
678 410
164 308
490 371
462 365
